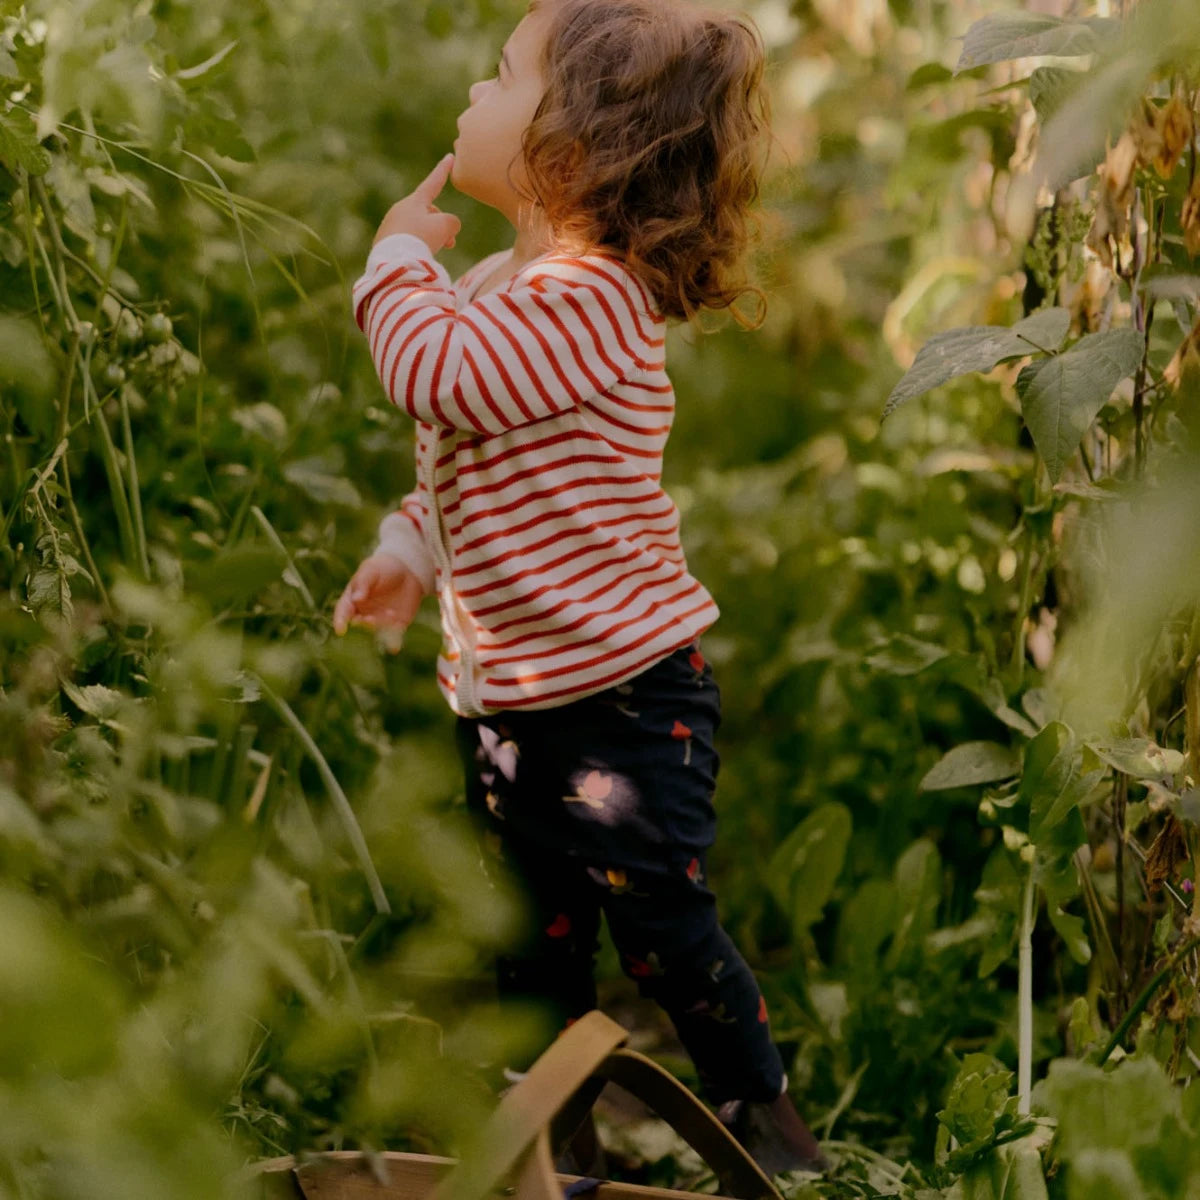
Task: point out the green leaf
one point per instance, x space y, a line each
918 876
24 360
236 574
1000 37
1049 87
970 763
978 348
865 921
95 699
312 476
1166 284
1061 396
1096 1109
802 872
977 1098
1139 757
19 144
904 655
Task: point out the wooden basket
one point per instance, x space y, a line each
513 1152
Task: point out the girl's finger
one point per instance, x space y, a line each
433 183
342 611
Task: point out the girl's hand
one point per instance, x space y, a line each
383 595
418 214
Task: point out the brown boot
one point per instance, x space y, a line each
774 1135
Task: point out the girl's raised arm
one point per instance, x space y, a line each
565 331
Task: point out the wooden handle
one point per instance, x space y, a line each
557 1093
528 1108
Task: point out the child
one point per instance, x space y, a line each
586 710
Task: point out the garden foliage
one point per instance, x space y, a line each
945 498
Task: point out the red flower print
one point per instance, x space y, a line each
681 733
762 1009
560 927
642 969
697 661
693 871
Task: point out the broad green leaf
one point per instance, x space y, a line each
312 475
1139 757
24 360
1000 37
19 144
95 699
1171 285
866 919
802 872
970 763
904 655
978 348
1061 396
918 876
1095 1108
1049 87
236 574
999 896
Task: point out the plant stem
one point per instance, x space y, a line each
1143 999
1025 997
1120 795
340 803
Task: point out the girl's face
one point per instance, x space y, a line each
489 131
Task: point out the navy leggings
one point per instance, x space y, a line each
606 804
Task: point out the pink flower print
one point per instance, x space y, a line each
762 1009
593 791
681 733
640 969
559 927
694 873
494 806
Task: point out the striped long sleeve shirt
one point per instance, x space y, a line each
538 518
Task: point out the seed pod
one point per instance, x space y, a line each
1177 128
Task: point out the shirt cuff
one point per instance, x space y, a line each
400 538
403 246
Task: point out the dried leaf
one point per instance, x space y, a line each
1184 367
1190 218
1177 128
1116 195
1165 853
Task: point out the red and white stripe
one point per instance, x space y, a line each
542 411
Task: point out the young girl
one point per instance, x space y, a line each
618 137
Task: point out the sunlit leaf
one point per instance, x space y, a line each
971 763
978 348
1061 396
1001 36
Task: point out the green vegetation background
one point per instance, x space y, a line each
207 801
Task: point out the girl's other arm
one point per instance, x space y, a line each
566 331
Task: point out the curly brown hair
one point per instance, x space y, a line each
645 144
